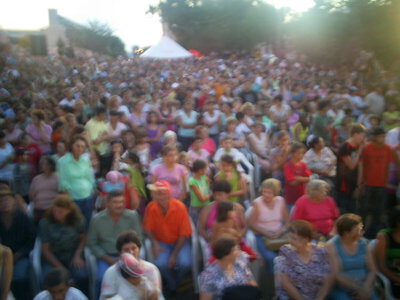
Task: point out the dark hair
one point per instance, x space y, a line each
115 113
76 139
196 138
296 147
2 135
239 115
114 193
56 277
223 246
323 104
126 238
347 222
356 128
117 141
223 209
221 185
63 200
100 110
282 133
302 228
314 141
278 98
228 159
198 165
168 148
394 217
57 124
377 131
152 112
51 162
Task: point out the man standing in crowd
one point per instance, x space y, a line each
375 101
167 224
105 228
376 158
348 181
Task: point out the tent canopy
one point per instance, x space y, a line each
166 49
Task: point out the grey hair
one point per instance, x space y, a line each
317 186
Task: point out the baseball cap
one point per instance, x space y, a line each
160 186
130 265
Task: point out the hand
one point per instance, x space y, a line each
156 249
274 234
172 261
77 262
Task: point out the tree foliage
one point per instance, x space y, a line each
96 36
217 25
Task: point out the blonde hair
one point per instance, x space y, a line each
317 186
272 184
246 106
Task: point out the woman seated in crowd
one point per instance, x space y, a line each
63 236
388 251
317 208
352 260
280 155
260 145
131 277
268 220
303 268
230 269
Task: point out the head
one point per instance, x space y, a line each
199 166
221 190
78 146
61 148
115 116
117 146
197 143
225 211
101 113
227 142
300 233
258 128
317 143
169 154
64 210
161 192
130 267
57 282
231 124
227 163
283 138
378 135
226 248
152 117
37 116
270 188
357 133
129 242
170 137
47 164
317 190
324 106
187 105
350 225
297 151
8 203
115 202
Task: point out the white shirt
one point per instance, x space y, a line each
118 129
66 102
72 294
214 129
393 137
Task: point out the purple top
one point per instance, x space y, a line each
37 137
155 147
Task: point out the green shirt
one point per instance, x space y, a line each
319 122
103 231
202 185
76 176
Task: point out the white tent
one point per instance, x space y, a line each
166 49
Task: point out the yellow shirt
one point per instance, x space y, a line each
95 130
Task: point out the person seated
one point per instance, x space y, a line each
227 148
6 269
230 269
303 268
62 232
317 208
57 284
18 233
167 224
104 229
268 219
388 251
352 260
127 277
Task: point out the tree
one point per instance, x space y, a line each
218 25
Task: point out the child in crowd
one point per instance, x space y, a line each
142 148
230 173
296 174
226 223
279 155
199 188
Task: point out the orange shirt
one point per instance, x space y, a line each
376 160
167 228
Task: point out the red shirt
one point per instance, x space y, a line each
376 160
291 170
322 214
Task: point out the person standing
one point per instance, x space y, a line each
376 158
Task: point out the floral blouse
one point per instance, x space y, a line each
307 278
326 161
214 280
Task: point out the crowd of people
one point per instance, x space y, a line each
103 154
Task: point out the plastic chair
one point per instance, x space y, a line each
91 265
35 258
382 281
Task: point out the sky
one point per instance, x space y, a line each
127 18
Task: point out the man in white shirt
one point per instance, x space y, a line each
69 99
375 102
57 285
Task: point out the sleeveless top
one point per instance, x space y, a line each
187 120
355 265
270 219
392 252
234 183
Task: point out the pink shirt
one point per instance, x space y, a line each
322 214
43 190
270 218
174 177
36 137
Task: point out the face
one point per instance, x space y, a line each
79 147
220 196
116 148
131 248
284 141
267 194
226 167
60 213
298 155
187 106
197 144
61 147
359 138
320 145
116 205
7 204
162 198
44 166
171 157
380 139
358 231
297 241
228 144
234 254
58 292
